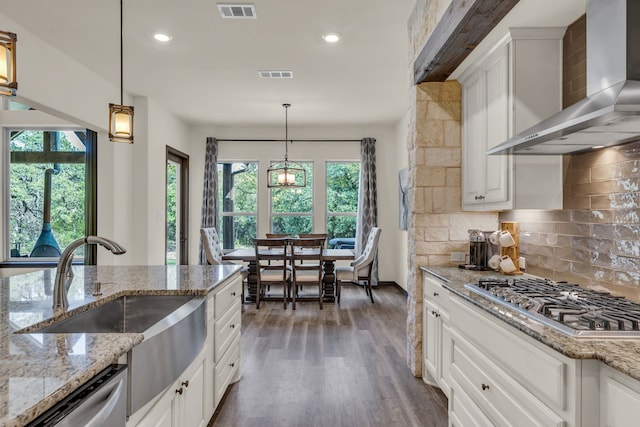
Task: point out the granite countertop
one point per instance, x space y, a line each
620 354
38 370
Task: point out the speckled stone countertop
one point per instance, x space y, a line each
38 370
620 354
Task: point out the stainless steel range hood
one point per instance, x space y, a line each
610 115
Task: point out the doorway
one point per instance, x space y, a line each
177 208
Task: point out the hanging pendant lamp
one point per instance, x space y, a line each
121 116
8 83
286 174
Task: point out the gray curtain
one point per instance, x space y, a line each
209 216
367 199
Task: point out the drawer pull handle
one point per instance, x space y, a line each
435 314
435 294
479 197
180 390
233 294
485 386
185 383
232 364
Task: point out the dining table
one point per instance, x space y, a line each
329 258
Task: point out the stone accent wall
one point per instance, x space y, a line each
595 239
436 225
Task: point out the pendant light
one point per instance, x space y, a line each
8 83
286 174
121 116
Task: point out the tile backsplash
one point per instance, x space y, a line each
595 239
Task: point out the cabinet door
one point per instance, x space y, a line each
194 409
497 106
164 412
619 399
474 139
431 334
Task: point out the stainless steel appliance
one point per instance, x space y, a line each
481 249
101 402
568 308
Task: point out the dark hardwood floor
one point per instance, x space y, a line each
341 366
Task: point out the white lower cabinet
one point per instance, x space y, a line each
495 375
619 399
436 339
182 403
192 399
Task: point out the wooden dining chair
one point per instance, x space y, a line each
306 260
322 236
359 271
271 267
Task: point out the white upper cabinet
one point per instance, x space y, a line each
514 86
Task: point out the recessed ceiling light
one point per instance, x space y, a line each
162 37
597 146
331 37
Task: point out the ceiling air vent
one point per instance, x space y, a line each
237 11
276 74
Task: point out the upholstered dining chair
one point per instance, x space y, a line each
359 272
213 251
306 261
271 267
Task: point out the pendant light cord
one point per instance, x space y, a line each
121 60
286 131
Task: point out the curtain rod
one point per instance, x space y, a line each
291 140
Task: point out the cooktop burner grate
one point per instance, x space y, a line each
568 308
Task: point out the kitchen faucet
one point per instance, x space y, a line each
64 273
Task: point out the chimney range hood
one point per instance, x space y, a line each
610 114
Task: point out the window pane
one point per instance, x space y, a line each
342 186
292 224
42 162
238 195
298 199
243 230
341 227
238 187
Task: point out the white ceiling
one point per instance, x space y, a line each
208 73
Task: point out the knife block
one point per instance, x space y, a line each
512 252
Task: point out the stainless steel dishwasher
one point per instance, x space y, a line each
101 402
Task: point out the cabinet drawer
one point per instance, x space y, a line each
226 329
505 401
226 368
464 412
226 296
540 370
433 291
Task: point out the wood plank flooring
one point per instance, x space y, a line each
341 366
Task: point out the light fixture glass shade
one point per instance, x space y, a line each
286 175
120 123
8 83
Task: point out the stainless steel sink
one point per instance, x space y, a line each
174 329
129 313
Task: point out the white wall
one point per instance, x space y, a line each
318 152
131 183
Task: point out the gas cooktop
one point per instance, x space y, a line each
568 308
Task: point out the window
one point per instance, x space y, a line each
292 208
52 190
342 200
238 196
